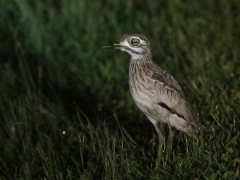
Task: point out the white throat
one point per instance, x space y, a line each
135 56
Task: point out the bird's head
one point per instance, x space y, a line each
136 45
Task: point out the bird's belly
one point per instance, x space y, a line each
144 100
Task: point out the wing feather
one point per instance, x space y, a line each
169 94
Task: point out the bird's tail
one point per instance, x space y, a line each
194 128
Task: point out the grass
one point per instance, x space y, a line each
66 110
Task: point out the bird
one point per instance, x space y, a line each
156 93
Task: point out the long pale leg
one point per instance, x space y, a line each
170 141
161 141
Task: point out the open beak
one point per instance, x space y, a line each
112 46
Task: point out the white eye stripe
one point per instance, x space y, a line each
135 37
125 43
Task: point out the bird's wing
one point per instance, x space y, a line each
169 95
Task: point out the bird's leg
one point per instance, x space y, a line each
161 144
161 141
170 141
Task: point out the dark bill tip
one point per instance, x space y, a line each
109 46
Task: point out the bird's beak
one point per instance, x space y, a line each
112 46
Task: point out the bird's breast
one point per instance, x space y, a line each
141 87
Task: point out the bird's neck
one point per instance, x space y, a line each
141 59
139 66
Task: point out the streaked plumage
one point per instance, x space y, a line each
156 93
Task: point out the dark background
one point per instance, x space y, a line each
66 109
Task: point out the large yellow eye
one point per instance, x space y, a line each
135 41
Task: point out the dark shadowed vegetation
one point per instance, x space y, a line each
66 109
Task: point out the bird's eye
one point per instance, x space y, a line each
135 41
